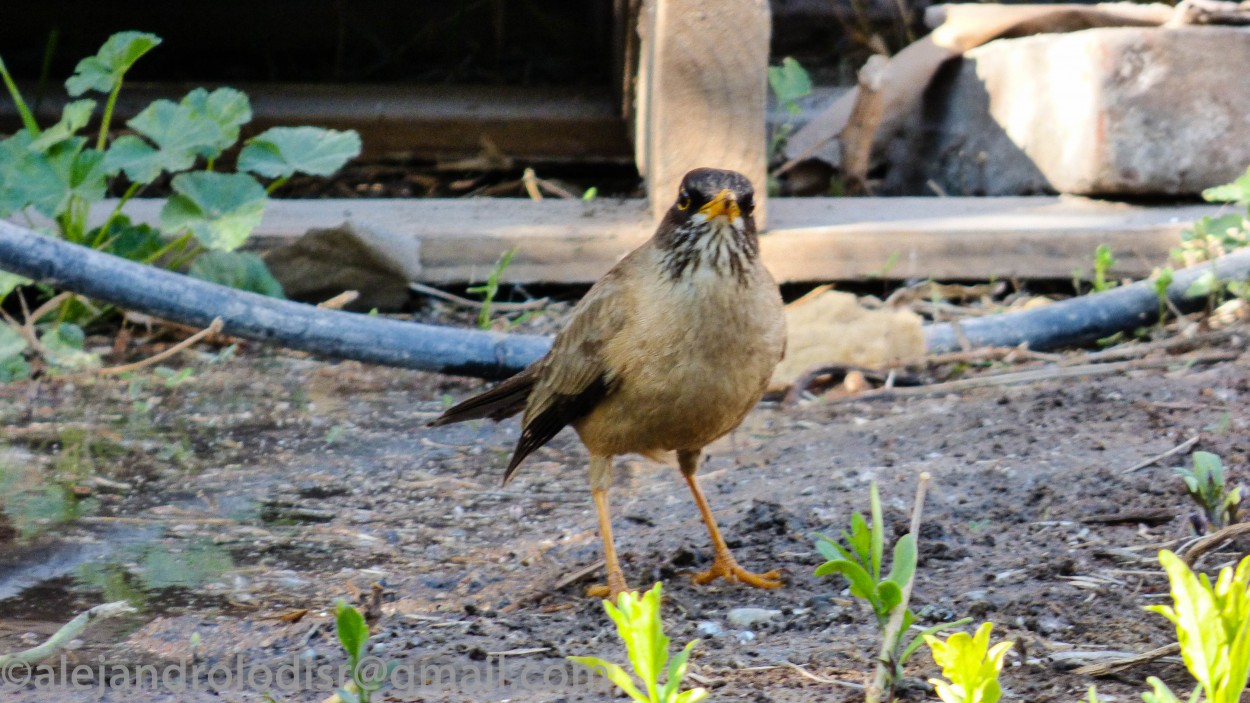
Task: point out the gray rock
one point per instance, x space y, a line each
708 628
1107 111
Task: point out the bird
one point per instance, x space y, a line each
667 352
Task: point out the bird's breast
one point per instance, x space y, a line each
694 358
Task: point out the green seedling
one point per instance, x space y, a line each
1206 485
353 634
640 627
1163 280
59 173
789 82
858 559
1103 261
970 666
1212 626
490 289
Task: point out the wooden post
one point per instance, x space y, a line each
702 93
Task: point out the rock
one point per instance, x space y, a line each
708 628
746 617
1107 111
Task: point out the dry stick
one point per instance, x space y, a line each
820 679
1046 374
1112 667
530 180
453 298
338 301
1214 540
1178 449
212 329
67 632
893 629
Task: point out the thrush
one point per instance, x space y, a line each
669 351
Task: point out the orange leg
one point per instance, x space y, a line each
724 565
616 579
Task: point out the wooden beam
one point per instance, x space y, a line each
811 240
702 93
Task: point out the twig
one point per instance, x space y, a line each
212 329
821 679
885 660
67 632
453 298
1047 374
1178 449
1213 540
338 301
530 181
1111 667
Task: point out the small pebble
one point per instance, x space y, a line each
746 617
708 628
745 636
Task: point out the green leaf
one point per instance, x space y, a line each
1204 285
111 62
789 82
179 132
74 116
238 269
1236 192
9 281
63 346
13 364
903 563
862 585
878 531
890 595
137 242
1160 694
48 180
279 152
828 548
352 631
219 209
677 672
614 673
1208 467
227 108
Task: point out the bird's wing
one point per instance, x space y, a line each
574 377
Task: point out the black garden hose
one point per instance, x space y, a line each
328 333
342 335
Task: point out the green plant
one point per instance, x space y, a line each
640 627
1211 237
1206 485
858 559
490 289
353 634
789 83
1212 627
60 174
970 666
1162 281
1103 261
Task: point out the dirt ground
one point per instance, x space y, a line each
267 483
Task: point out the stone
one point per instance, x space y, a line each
746 617
1127 111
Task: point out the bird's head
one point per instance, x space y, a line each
711 224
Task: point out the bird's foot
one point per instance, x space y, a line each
611 591
725 567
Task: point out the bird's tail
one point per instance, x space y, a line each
502 401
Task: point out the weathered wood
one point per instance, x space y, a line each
701 93
811 239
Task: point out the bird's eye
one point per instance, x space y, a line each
683 200
747 204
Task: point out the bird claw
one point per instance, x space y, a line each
728 569
610 591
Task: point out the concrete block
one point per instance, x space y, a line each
1125 111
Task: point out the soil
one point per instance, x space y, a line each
264 484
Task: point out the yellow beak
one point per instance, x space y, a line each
723 205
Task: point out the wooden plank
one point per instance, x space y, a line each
812 239
702 93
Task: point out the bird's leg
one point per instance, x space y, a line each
600 481
724 566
